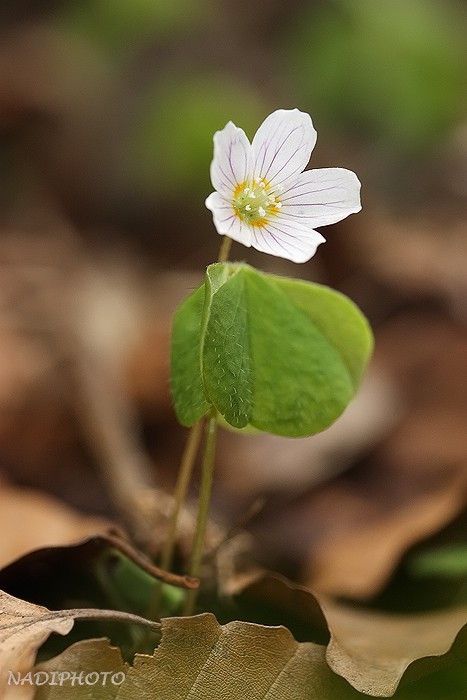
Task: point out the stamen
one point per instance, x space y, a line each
254 203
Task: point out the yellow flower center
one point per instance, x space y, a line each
255 202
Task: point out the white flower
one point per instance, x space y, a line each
265 200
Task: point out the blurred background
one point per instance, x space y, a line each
107 111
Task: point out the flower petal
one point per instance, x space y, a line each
321 197
286 239
226 221
232 158
282 146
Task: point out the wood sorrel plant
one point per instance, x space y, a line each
254 350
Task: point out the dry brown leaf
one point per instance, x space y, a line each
368 653
34 519
358 561
199 658
24 627
85 659
373 650
269 599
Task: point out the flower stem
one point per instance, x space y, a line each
186 469
181 488
225 249
203 506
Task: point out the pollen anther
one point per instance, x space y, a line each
253 203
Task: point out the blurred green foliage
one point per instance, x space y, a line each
118 24
449 561
152 80
173 144
394 71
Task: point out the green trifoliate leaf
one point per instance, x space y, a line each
187 384
226 353
280 355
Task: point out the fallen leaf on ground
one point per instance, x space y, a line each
199 658
98 668
369 655
34 519
373 650
269 599
358 562
24 627
102 571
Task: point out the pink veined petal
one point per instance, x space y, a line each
282 146
232 159
226 221
321 197
286 239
